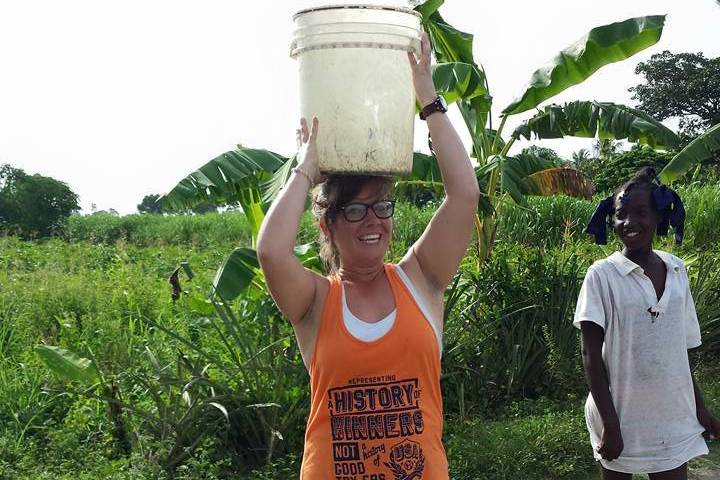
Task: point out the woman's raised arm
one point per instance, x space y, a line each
293 287
443 244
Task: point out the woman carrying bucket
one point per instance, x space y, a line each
370 333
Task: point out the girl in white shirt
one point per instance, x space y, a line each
645 413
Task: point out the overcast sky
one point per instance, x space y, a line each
124 98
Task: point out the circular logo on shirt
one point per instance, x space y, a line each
406 461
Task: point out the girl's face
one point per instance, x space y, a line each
363 242
635 218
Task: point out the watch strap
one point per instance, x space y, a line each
436 106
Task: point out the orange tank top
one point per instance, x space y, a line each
376 407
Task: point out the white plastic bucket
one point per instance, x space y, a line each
355 77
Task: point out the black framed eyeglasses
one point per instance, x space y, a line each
356 211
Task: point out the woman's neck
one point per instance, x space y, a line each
360 273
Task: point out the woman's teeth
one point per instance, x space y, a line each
632 234
374 238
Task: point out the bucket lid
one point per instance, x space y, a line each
358 6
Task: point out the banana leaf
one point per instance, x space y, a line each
236 273
555 181
449 46
704 147
535 175
233 177
425 179
272 187
449 43
515 171
241 268
429 7
603 120
601 46
67 365
457 80
221 180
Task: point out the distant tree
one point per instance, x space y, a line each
204 208
681 85
33 205
150 204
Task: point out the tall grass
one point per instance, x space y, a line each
154 230
545 222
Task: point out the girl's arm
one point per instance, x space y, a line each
710 422
292 286
443 244
611 444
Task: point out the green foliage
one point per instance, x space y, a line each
681 85
67 365
457 80
545 446
210 229
508 338
603 120
618 169
33 205
425 184
704 148
240 176
515 330
703 222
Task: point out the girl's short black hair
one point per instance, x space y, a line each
645 179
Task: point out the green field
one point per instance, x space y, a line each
195 391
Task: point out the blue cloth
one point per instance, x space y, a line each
672 212
600 219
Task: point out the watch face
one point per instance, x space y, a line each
442 102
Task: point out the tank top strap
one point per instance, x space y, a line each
403 298
331 312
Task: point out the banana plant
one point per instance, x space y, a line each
503 176
253 177
185 408
248 177
702 148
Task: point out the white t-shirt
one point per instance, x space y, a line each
645 355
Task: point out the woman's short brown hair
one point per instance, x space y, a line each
335 192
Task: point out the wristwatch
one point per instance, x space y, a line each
439 105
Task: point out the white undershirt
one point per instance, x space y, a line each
369 332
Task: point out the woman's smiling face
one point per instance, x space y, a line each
636 218
366 241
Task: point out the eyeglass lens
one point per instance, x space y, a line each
354 212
